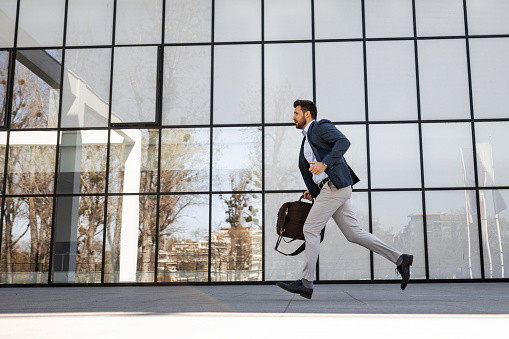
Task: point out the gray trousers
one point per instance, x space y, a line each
335 203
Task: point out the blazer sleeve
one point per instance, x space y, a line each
340 144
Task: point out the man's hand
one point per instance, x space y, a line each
308 196
318 167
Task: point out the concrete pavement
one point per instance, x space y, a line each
255 311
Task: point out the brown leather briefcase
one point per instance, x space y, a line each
290 223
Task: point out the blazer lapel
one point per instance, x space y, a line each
301 154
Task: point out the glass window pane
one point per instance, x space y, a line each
394 152
282 147
397 221
89 22
36 89
237 84
134 84
86 91
391 18
287 19
340 259
283 84
41 23
277 266
357 154
188 21
7 22
78 239
4 77
443 79
487 17
31 168
338 19
490 77
237 159
447 153
236 239
238 20
138 22
495 228
82 167
186 85
340 81
391 80
185 160
183 238
133 161
3 143
130 239
453 239
492 153
439 17
26 249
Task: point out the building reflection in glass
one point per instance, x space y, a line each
236 238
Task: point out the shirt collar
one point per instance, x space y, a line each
305 131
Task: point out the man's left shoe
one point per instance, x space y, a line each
296 287
404 269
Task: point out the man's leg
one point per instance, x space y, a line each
324 207
326 204
347 223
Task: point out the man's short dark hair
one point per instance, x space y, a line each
306 105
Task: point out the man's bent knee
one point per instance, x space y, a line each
310 233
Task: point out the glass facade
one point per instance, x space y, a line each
151 141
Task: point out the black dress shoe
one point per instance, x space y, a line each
296 287
404 269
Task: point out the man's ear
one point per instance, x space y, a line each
307 114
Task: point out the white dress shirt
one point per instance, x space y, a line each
310 156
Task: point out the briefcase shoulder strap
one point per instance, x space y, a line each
300 249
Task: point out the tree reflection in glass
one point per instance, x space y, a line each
237 84
185 160
282 145
138 21
133 98
237 159
186 85
130 238
90 239
4 71
31 168
3 141
283 85
36 89
236 237
89 22
82 165
188 21
86 88
78 239
183 238
133 161
26 238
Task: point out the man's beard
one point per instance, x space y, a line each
300 124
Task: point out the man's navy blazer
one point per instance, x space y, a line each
329 145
